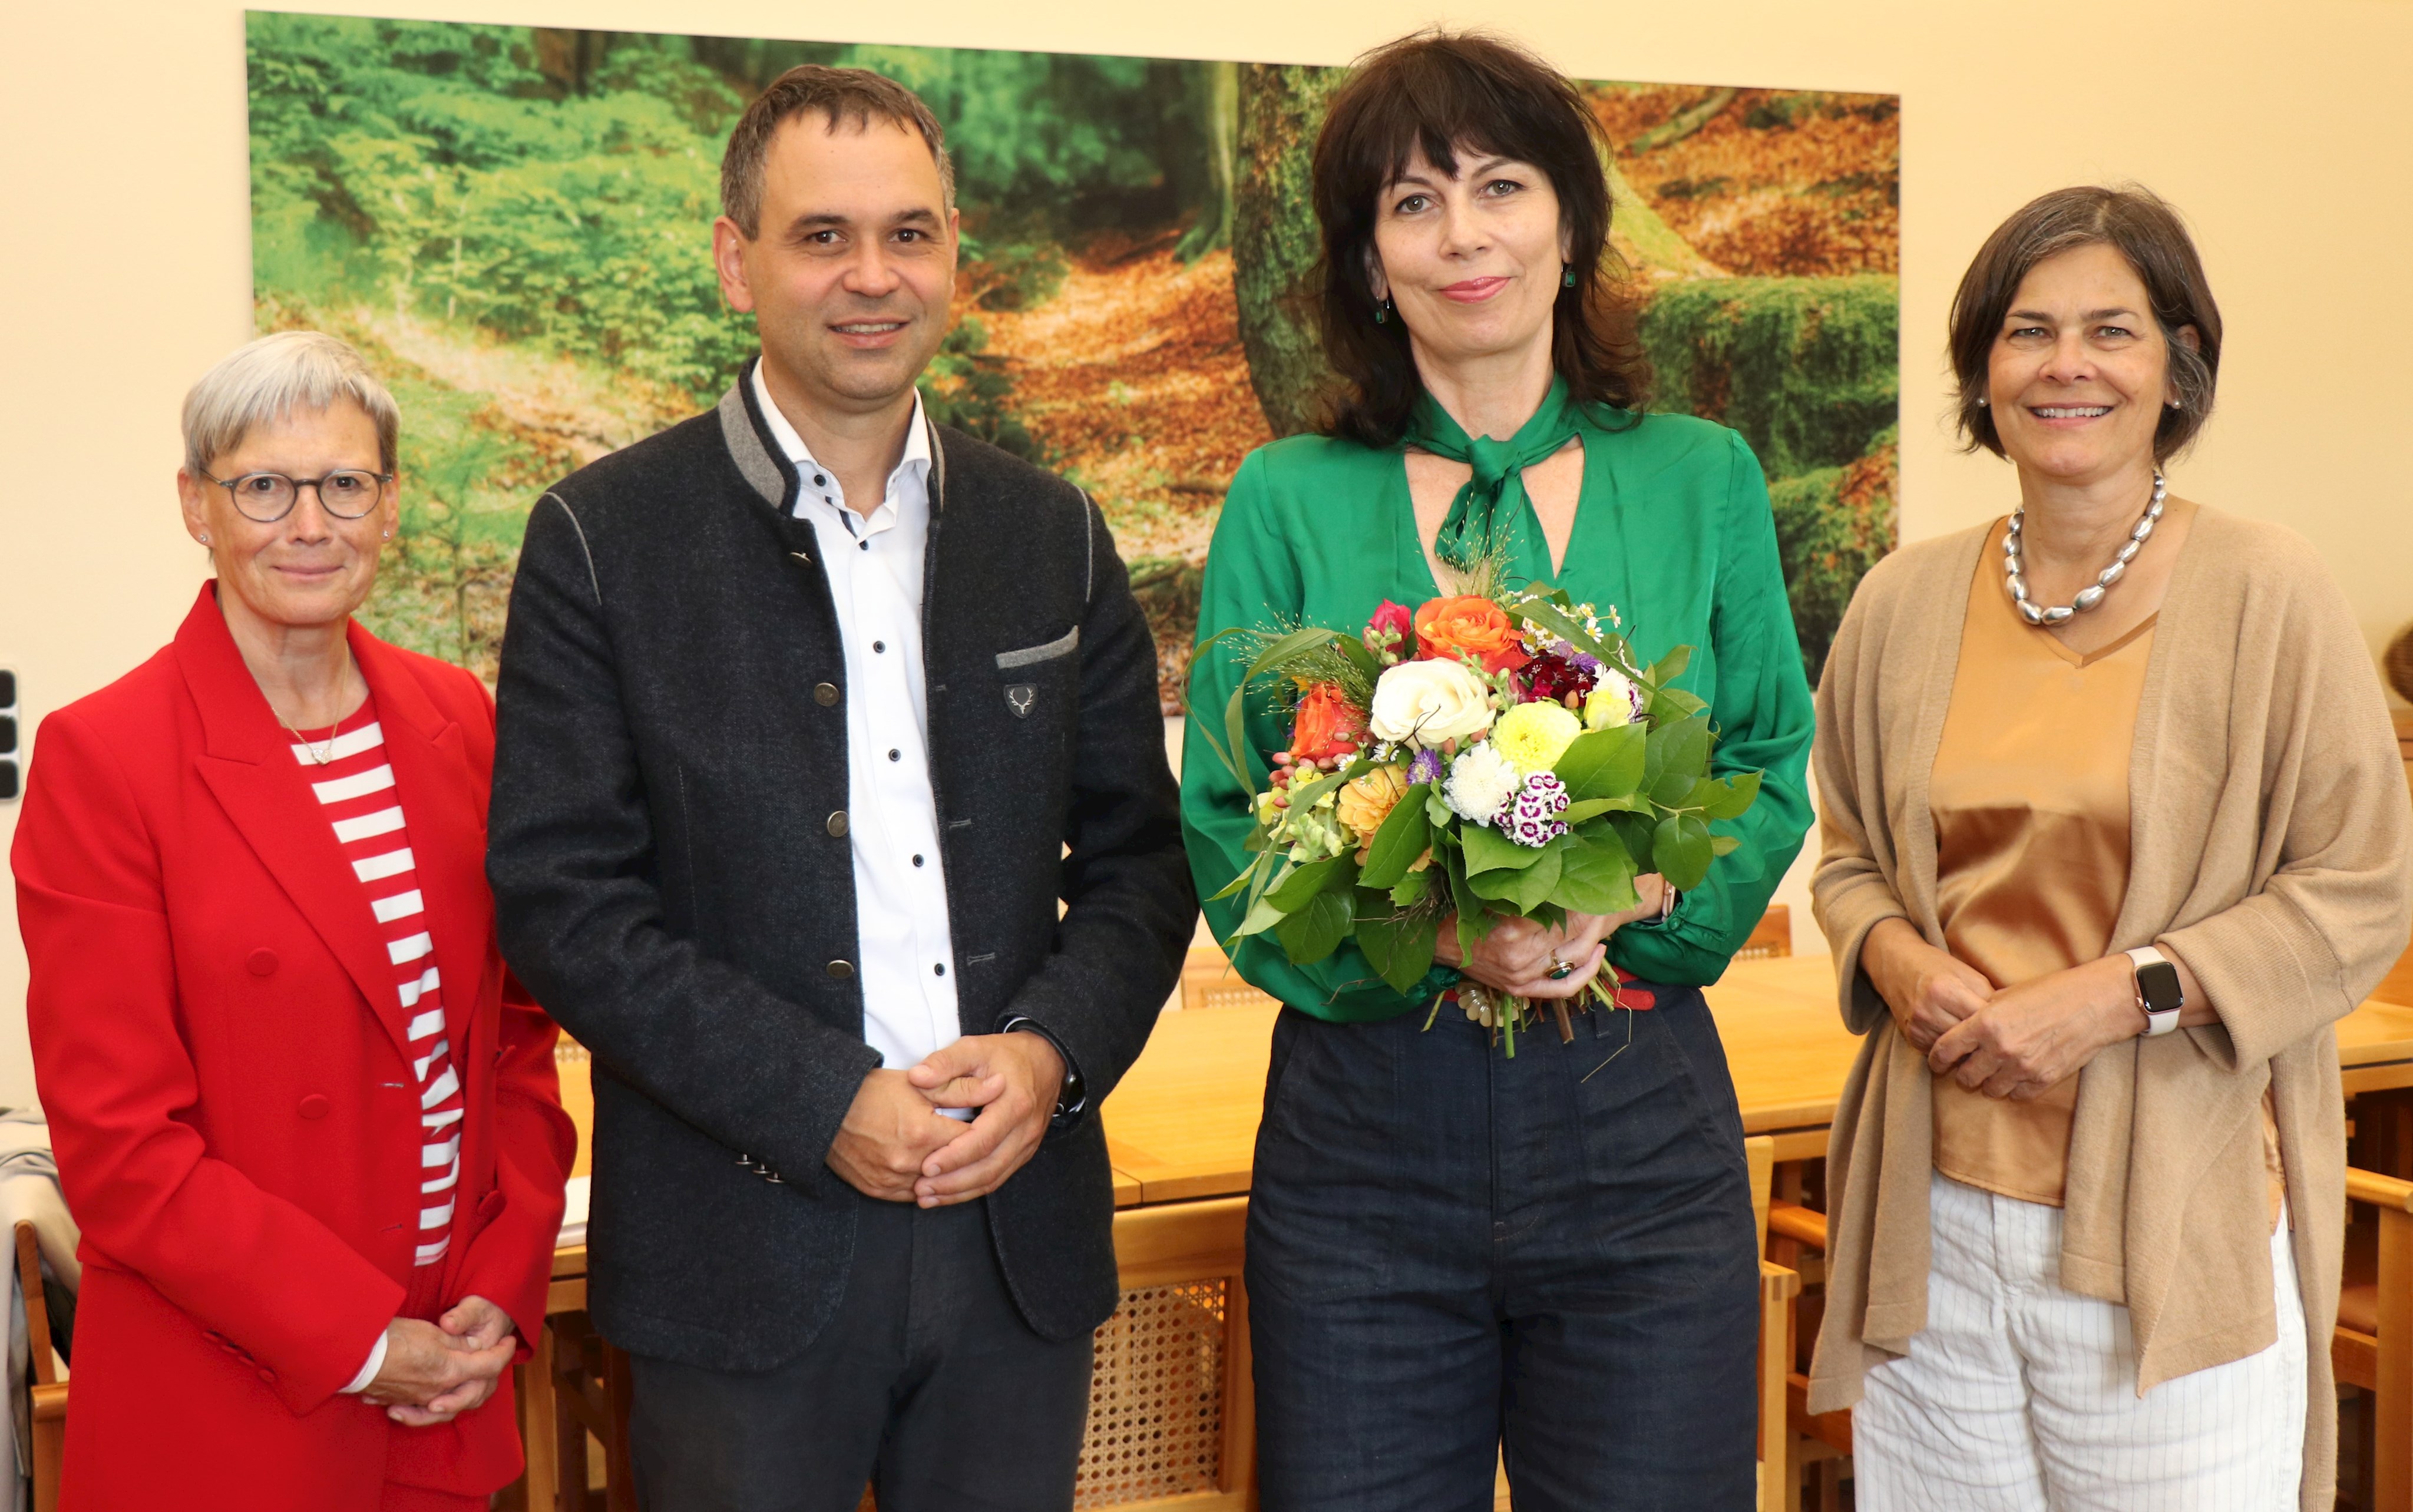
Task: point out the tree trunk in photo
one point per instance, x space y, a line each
1275 241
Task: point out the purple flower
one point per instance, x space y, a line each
1532 816
1426 767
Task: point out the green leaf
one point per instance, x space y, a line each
1290 647
1247 874
1263 916
1669 704
1604 763
1724 845
1227 754
1292 893
1596 876
1488 850
1634 831
1734 795
1566 627
1472 924
1400 948
1669 667
1594 808
1680 850
1437 811
1303 796
1412 888
1354 649
1316 930
1402 838
1528 887
1681 749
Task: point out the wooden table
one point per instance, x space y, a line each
1183 1123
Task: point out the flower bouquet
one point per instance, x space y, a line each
1494 754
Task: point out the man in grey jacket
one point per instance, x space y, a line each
831 813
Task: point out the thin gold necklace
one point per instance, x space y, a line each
318 756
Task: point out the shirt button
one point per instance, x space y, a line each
837 825
821 480
863 545
894 756
262 962
840 971
938 970
826 694
917 861
313 1106
268 1376
880 645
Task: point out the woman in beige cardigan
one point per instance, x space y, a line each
2115 830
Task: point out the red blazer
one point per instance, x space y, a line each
221 1051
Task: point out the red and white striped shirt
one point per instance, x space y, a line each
349 771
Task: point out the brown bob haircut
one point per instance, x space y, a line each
1452 93
856 96
2144 229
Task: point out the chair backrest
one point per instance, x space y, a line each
1771 936
1208 981
37 1312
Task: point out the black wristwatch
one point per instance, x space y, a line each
1074 1098
2159 993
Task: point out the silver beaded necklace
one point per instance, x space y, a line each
2015 575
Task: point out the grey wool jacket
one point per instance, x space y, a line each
674 887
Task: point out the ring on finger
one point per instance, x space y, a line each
1560 971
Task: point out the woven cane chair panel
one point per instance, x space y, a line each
1156 1402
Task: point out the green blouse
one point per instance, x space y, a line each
1672 527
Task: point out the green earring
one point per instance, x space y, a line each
1570 279
1383 311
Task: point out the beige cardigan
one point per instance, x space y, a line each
2272 849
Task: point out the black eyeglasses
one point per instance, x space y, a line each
347 494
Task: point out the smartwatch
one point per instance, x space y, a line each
2158 993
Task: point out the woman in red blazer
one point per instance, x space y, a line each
308 1123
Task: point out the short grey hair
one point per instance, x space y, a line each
263 381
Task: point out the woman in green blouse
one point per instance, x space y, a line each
1454 1255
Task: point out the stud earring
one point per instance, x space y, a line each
205 537
1984 402
388 535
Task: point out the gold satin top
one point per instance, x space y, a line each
2030 798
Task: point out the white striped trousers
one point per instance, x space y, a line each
2022 1396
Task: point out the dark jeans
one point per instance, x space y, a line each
1452 1254
926 1382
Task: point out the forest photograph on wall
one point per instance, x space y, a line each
514 225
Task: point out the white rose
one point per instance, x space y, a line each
1427 702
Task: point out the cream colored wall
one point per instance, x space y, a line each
124 264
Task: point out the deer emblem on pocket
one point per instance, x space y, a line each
1021 698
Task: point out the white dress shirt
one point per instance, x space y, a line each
874 566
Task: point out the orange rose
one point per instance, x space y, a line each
1468 626
1327 725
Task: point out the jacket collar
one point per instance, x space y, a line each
246 762
764 463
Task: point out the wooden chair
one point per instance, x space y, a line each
1778 1287
1771 937
1825 1436
2373 1346
586 1381
47 1392
1208 981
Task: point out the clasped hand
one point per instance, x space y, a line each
1519 955
896 1144
2015 1043
435 1371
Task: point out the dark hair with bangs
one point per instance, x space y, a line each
2143 228
1449 94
